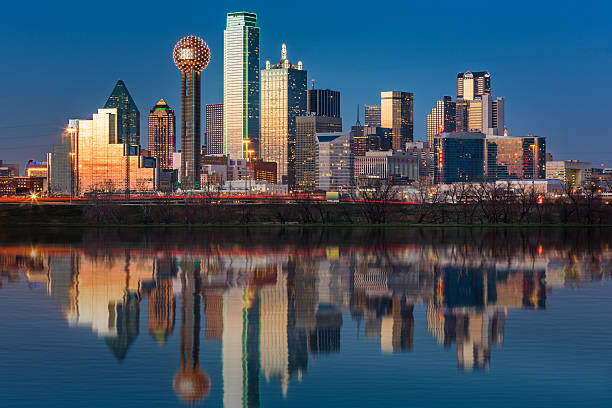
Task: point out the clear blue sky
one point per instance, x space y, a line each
552 60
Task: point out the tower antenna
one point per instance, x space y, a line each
313 82
358 122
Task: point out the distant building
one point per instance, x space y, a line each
571 172
162 134
129 115
241 83
473 84
366 138
306 145
397 113
20 186
441 119
214 128
424 155
486 115
39 170
372 115
516 158
459 157
9 170
324 102
283 98
104 164
263 170
59 163
387 164
335 162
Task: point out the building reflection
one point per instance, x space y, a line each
275 310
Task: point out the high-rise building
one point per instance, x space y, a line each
307 128
324 102
441 119
486 115
241 85
511 158
459 157
162 134
372 115
104 164
471 85
121 99
283 98
191 55
59 162
397 113
335 162
214 128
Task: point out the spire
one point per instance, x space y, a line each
284 52
358 122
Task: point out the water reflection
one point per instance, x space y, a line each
276 301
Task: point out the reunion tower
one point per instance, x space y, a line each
191 55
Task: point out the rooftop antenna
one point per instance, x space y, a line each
358 122
312 81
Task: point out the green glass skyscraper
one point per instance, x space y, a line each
129 115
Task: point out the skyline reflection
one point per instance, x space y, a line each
274 308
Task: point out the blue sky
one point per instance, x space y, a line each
552 61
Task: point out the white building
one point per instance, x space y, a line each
334 162
572 172
385 164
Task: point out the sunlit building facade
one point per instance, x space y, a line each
214 128
471 85
104 164
162 134
512 158
372 115
441 119
283 99
397 113
121 99
571 172
307 128
241 85
335 162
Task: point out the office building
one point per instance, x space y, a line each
60 164
241 85
214 128
9 170
571 172
102 164
21 186
441 119
372 115
471 85
486 115
387 164
324 102
191 56
335 162
307 128
36 169
459 157
162 134
516 158
283 99
121 99
263 170
397 113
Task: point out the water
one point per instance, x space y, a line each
302 317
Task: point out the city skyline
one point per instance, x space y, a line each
85 90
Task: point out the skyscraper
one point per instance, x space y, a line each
335 162
441 119
121 99
241 85
283 98
191 55
214 128
372 115
305 147
486 115
324 102
397 113
162 134
473 84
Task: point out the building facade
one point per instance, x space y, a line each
485 114
441 119
571 172
372 115
335 162
60 165
121 99
104 165
459 157
162 134
516 158
324 102
283 99
473 84
307 128
241 85
385 164
397 113
214 128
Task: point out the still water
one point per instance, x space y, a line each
306 317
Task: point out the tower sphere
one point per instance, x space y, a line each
191 52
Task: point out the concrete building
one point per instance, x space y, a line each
335 162
571 172
241 85
385 164
283 99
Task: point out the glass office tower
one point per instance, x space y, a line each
162 134
283 98
214 128
241 85
121 99
397 113
441 119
